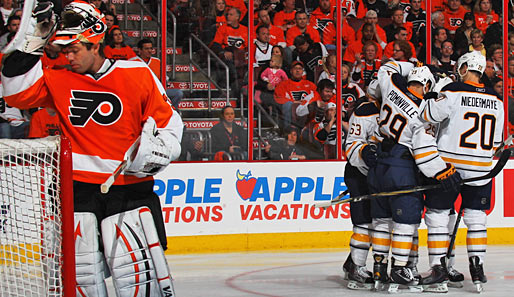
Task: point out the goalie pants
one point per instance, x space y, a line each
88 198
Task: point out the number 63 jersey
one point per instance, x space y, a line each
471 119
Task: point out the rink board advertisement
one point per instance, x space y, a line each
235 199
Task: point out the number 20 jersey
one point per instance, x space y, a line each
471 119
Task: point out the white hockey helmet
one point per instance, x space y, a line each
474 60
81 22
423 75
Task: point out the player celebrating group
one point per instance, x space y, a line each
104 107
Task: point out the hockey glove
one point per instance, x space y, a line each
449 178
369 155
152 154
34 31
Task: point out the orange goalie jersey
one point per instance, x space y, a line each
109 108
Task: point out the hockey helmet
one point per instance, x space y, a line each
374 89
474 60
81 22
423 75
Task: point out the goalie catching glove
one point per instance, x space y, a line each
154 152
34 31
449 178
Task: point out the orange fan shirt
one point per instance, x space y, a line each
153 63
295 31
290 90
124 53
42 124
282 18
480 20
229 36
453 19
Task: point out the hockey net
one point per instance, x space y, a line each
35 208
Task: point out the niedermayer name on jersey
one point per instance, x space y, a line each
408 107
471 101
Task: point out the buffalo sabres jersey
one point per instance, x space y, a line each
399 118
362 129
102 115
470 119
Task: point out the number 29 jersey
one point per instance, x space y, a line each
399 118
471 119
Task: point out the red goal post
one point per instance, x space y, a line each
37 250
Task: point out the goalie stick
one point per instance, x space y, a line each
129 155
504 157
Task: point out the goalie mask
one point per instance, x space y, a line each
81 22
423 75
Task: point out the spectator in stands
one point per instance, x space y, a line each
14 122
446 62
326 132
43 123
228 136
230 44
239 4
510 82
13 23
402 51
117 49
462 38
489 74
493 31
311 54
484 14
366 69
267 81
329 34
276 34
417 17
6 9
285 18
401 34
497 83
379 6
510 44
112 23
397 17
438 20
309 5
353 52
302 27
53 57
329 68
314 109
495 54
288 149
294 90
454 15
468 4
440 35
102 6
477 37
145 50
321 16
354 8
214 19
350 93
379 33
262 47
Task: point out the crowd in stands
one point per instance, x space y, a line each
295 49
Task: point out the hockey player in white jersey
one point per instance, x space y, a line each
470 118
360 151
406 148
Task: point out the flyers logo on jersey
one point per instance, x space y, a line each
235 41
103 108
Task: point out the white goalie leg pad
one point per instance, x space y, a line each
134 255
90 263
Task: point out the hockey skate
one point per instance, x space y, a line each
455 278
402 278
436 281
380 272
347 266
359 278
477 273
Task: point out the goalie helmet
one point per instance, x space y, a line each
423 75
81 22
474 60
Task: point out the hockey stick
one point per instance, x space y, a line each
504 157
130 154
505 143
104 188
334 201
